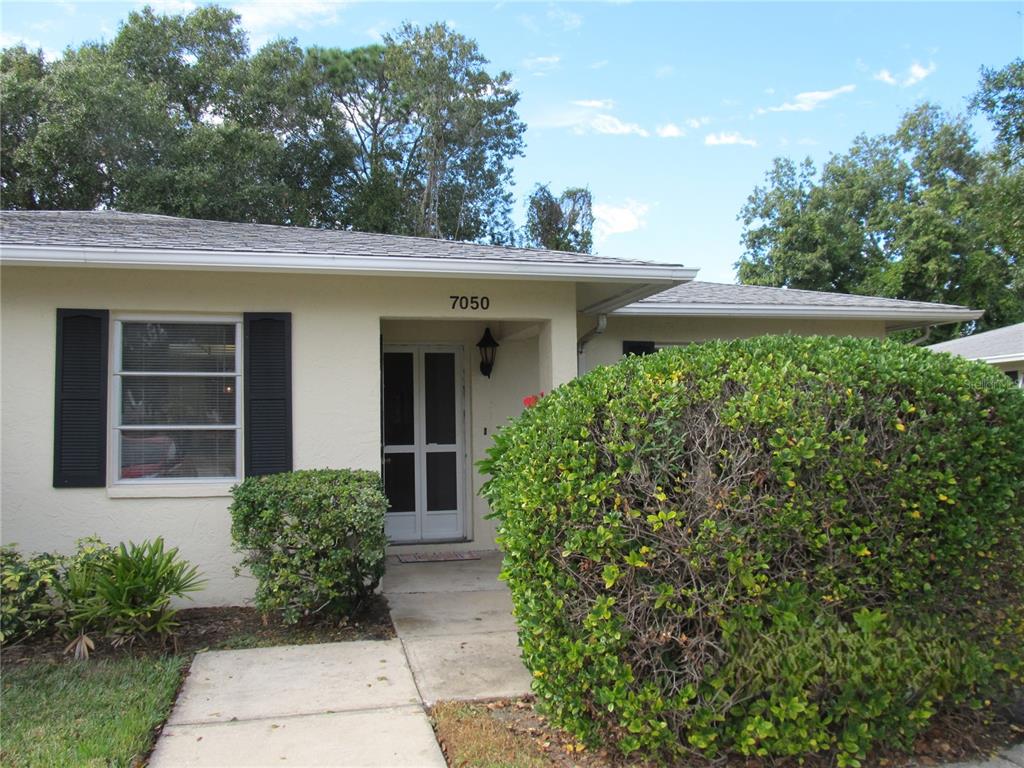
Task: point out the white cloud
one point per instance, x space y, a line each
582 117
264 19
723 139
670 131
567 20
918 73
665 71
618 219
809 100
599 64
697 122
594 103
8 41
611 124
541 63
915 73
886 77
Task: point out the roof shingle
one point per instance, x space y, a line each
701 293
113 229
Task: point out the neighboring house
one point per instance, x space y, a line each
1003 348
150 363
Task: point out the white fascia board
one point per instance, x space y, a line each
915 314
994 359
248 261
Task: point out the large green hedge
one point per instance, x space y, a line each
773 546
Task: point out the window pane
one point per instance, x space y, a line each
439 386
442 482
399 427
400 481
178 400
177 453
196 347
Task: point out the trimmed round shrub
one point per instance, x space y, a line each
314 539
774 546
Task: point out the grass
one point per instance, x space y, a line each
471 737
99 713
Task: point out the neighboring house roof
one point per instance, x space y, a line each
698 298
1001 345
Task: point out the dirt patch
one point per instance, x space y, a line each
225 628
511 733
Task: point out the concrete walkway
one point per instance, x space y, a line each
358 704
334 704
454 620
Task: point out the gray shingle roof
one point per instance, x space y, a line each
701 293
1002 342
112 229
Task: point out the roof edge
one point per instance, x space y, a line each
249 261
938 313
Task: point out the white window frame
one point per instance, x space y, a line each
114 403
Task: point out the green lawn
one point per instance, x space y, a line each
97 713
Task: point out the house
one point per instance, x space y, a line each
149 363
1003 348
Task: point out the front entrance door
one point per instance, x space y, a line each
423 442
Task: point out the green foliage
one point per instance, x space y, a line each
922 213
412 137
774 546
125 593
314 539
564 223
25 605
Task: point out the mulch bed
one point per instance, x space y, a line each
223 628
954 738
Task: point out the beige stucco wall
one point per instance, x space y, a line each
336 330
607 348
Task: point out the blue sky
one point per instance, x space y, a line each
669 112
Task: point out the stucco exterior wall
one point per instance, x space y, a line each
606 349
336 332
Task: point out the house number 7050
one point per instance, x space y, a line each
470 302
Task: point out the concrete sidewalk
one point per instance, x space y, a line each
334 704
454 620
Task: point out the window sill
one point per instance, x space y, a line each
169 490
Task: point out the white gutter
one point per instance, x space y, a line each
248 261
806 311
1011 358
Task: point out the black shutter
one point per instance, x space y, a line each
80 412
638 348
268 393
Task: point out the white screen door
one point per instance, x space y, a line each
422 419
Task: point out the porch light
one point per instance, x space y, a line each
487 346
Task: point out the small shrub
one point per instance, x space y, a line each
314 539
773 547
26 605
124 593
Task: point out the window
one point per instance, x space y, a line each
176 399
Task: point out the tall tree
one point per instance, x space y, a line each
462 132
902 215
563 223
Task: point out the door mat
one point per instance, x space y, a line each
437 557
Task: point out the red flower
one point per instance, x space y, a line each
530 400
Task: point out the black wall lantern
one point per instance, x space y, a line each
487 346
